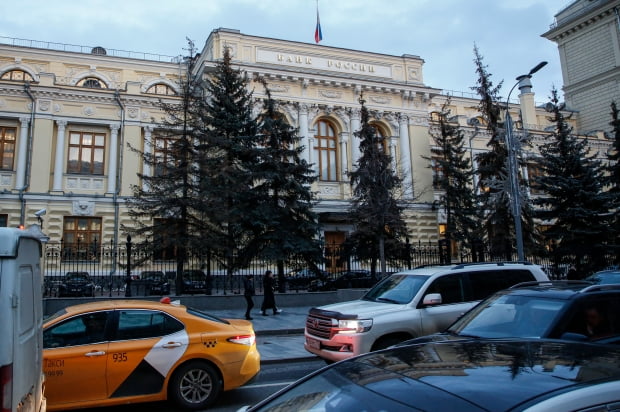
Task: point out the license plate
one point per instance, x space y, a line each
313 343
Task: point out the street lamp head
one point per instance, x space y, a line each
531 72
537 67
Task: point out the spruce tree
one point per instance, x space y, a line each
229 156
162 208
494 177
498 218
458 198
613 175
286 225
573 199
379 224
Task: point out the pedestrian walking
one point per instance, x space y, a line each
248 292
269 299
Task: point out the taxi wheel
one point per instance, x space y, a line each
195 385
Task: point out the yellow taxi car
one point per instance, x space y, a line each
117 352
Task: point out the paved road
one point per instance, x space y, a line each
273 377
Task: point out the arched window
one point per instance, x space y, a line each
381 137
17 76
161 88
91 83
326 150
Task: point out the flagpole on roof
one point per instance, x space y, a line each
318 35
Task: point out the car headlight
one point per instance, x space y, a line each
354 325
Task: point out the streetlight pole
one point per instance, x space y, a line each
511 147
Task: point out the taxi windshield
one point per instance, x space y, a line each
397 289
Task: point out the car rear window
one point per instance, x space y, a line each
485 283
205 315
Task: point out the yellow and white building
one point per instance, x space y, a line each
68 114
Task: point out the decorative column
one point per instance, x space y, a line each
22 154
355 142
405 154
392 142
112 165
148 150
303 131
59 160
343 155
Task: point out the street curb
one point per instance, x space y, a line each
287 360
275 332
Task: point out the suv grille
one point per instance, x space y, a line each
319 326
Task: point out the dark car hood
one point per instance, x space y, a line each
492 375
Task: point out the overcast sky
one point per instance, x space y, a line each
442 32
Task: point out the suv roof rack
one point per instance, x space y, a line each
598 288
498 263
564 283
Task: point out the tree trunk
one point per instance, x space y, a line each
382 255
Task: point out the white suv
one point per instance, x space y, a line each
407 305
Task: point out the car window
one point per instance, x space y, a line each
451 287
84 329
140 324
595 318
485 283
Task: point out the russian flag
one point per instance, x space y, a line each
318 35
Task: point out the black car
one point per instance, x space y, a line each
473 375
349 279
155 282
76 284
195 281
568 310
605 277
302 278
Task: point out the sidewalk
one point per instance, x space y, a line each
280 338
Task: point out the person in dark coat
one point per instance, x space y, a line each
248 292
269 300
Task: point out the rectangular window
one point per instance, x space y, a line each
437 173
165 232
4 220
7 147
86 153
534 171
81 238
164 155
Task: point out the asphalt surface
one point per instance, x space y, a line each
280 338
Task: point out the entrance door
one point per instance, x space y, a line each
333 251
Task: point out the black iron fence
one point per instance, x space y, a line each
93 269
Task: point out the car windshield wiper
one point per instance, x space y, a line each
387 300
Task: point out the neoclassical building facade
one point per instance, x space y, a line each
587 33
69 113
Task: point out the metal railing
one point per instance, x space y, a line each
107 268
96 50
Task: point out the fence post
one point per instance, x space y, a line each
408 251
128 277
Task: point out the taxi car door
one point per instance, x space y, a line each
75 358
146 345
456 300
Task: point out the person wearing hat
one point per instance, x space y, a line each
269 299
248 292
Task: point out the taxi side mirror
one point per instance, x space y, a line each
432 299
